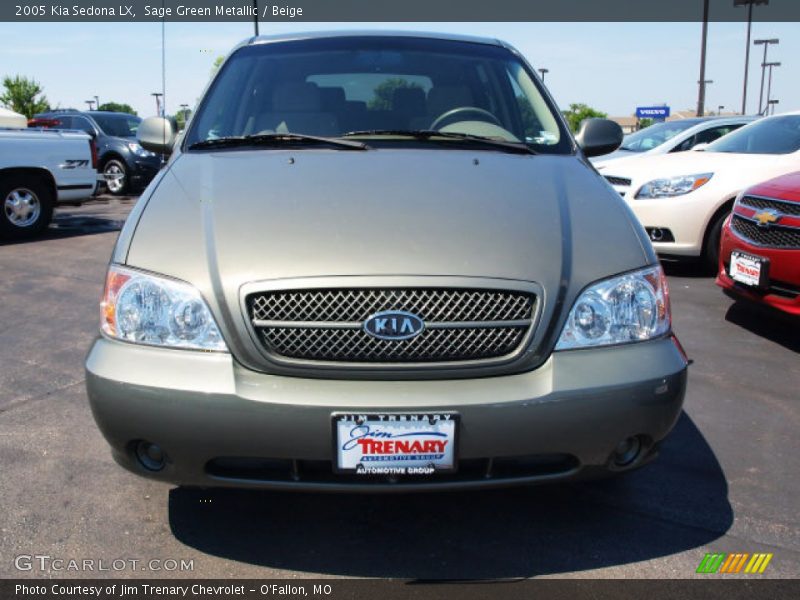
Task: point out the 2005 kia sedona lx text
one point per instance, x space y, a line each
381 262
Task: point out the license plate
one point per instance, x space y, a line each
748 269
395 444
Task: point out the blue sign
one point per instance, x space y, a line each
652 112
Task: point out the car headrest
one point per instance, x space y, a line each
409 100
446 97
332 97
296 97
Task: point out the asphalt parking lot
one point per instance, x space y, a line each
726 481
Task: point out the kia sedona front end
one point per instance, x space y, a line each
288 308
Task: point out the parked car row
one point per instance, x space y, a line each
123 163
57 157
673 136
685 200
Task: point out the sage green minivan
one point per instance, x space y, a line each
380 261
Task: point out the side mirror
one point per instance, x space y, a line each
157 134
598 136
699 147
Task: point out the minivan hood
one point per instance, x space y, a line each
243 216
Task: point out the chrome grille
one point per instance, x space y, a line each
773 236
327 324
787 208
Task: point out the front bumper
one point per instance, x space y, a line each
201 407
685 217
783 292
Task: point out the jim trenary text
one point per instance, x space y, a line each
124 590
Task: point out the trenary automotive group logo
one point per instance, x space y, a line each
741 562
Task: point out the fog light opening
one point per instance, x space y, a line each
656 234
627 451
150 456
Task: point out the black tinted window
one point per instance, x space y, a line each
775 135
332 86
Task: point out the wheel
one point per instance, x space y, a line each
115 174
710 258
27 206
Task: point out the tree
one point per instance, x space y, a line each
384 93
117 107
645 123
24 96
578 112
181 117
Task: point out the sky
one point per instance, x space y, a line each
613 67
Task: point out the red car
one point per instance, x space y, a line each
759 256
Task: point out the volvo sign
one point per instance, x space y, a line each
652 112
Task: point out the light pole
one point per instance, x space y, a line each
749 4
543 71
769 83
765 43
701 92
701 107
772 103
255 16
97 102
89 103
158 102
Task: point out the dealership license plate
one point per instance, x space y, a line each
395 444
748 269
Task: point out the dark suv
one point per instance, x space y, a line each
125 165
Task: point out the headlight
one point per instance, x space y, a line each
146 309
673 186
139 151
628 308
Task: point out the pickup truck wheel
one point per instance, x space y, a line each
115 174
27 207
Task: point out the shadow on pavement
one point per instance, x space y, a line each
676 503
91 218
686 268
765 322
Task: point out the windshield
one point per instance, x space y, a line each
121 125
775 135
655 135
334 86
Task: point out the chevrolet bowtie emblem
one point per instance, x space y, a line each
766 217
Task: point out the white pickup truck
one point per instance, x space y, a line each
38 169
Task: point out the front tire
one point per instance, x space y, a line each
711 247
115 174
27 206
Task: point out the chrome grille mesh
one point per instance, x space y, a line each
773 236
787 208
326 324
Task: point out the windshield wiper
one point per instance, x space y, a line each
276 139
426 134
